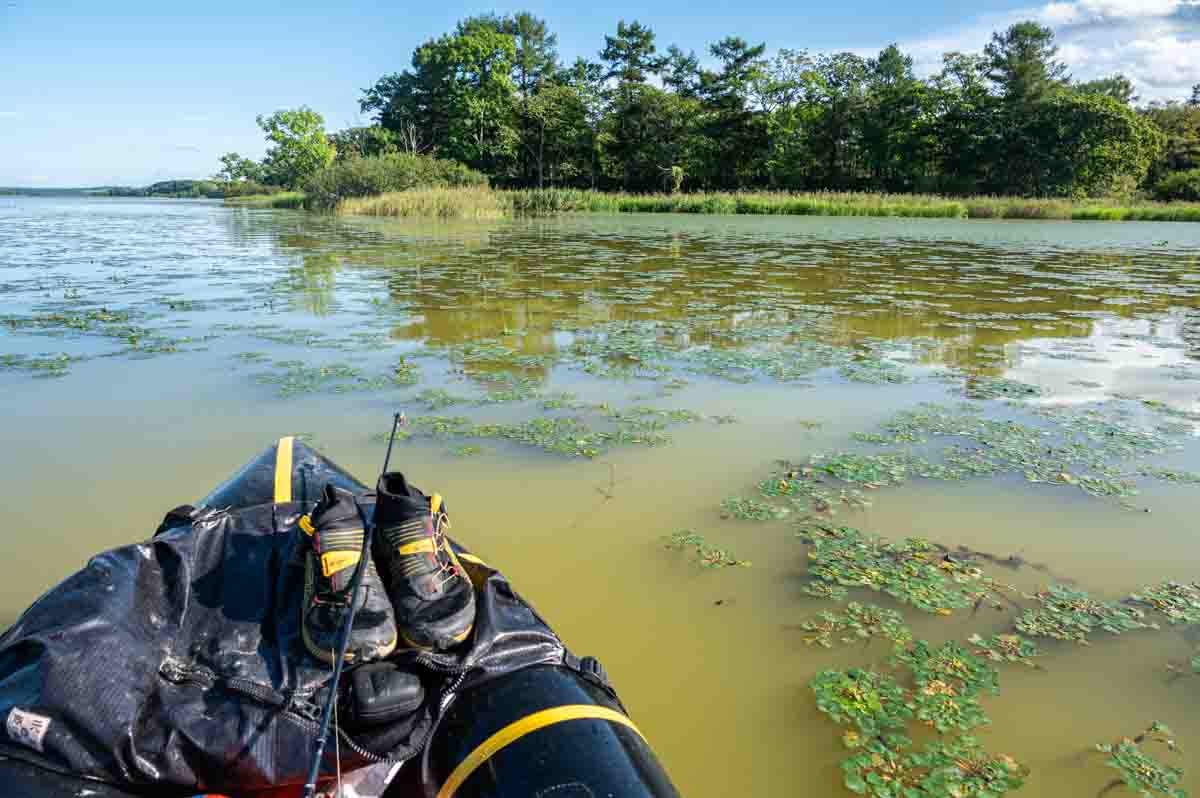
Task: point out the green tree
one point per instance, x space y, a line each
631 57
1119 87
364 142
534 66
236 168
786 91
736 133
587 83
631 54
966 132
299 147
458 100
840 94
1180 126
681 72
1022 63
662 128
1089 145
897 122
1195 98
558 134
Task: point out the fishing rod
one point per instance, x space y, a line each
314 770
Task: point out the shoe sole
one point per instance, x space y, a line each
417 646
328 656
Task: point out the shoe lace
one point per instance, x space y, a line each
447 569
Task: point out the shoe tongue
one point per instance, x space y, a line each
396 501
335 507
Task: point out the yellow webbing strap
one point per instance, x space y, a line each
471 558
283 470
518 729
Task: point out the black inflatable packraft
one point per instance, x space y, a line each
176 666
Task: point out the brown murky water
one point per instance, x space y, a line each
149 348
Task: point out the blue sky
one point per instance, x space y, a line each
127 93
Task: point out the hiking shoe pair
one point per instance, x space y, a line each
414 588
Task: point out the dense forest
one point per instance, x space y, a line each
494 95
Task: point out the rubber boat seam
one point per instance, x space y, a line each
527 725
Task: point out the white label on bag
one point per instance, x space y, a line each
27 728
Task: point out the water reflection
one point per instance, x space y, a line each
522 281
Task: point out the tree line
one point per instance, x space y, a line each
493 94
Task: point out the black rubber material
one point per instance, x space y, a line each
581 757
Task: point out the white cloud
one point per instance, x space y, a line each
1156 43
1072 13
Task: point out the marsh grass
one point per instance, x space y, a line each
552 201
430 203
283 199
481 202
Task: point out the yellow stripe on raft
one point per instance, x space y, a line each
518 729
283 470
419 547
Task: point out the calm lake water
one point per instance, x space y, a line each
149 348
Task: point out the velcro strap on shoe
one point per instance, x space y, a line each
425 546
333 562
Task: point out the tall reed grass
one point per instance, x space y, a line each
480 202
431 203
280 199
552 201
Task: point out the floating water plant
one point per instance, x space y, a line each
1081 449
939 705
871 702
1005 648
946 682
913 571
46 366
707 556
1179 601
879 767
751 510
296 377
439 398
405 372
860 623
1068 614
960 768
825 590
1140 772
807 491
949 664
985 387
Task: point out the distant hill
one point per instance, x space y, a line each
60 192
164 188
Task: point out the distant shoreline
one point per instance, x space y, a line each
169 189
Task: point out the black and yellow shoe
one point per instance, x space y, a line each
430 591
335 538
